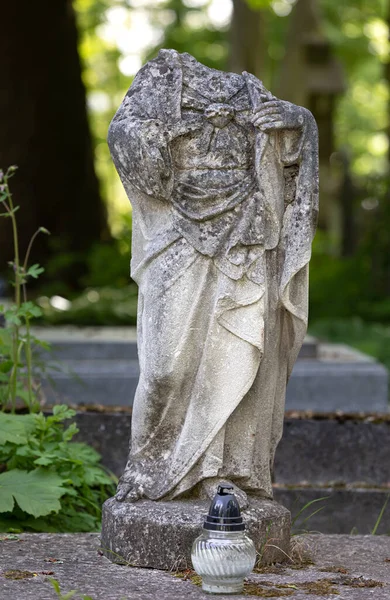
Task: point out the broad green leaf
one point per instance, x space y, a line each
73 520
35 270
12 430
70 432
10 525
81 452
29 309
26 451
96 476
36 492
5 336
45 460
62 412
6 366
41 524
13 319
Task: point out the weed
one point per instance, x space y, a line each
303 509
66 596
379 519
16 341
47 481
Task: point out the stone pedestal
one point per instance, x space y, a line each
160 534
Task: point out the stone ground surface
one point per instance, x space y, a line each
345 567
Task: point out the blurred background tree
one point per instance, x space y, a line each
330 56
44 130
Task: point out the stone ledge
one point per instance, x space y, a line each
343 510
311 449
81 567
160 535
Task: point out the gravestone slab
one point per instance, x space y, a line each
99 365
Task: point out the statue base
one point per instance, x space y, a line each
160 535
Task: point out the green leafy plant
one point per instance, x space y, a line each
66 596
380 516
97 306
304 508
16 340
49 482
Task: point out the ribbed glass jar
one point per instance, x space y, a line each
223 559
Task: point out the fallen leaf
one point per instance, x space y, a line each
54 560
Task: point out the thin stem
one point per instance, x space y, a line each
16 250
15 333
29 250
29 363
28 355
14 373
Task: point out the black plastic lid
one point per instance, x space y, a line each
224 512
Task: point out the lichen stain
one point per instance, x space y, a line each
253 589
17 574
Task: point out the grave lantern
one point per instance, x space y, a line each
223 555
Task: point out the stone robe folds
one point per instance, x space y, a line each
222 271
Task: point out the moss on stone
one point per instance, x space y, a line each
17 574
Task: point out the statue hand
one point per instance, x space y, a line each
277 114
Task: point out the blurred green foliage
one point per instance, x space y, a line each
370 338
95 306
116 36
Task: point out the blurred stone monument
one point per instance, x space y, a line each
223 181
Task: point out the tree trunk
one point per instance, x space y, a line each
310 76
387 79
248 48
44 130
304 21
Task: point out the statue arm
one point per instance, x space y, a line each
140 151
300 216
142 128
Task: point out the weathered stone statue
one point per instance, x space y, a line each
222 178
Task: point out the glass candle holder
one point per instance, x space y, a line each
223 555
